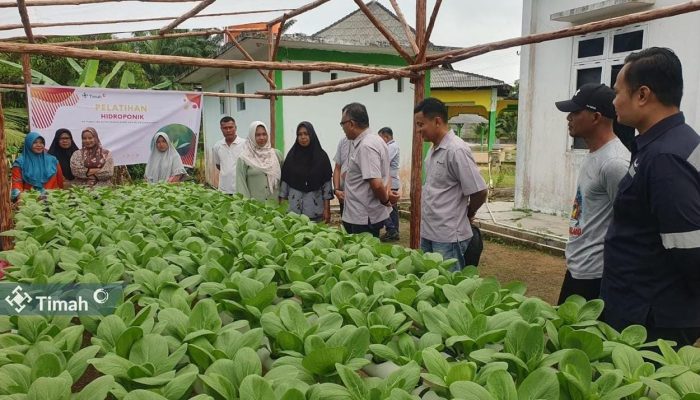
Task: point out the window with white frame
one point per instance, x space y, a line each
598 58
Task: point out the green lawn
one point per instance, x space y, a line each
503 177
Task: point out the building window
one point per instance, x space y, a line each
376 87
334 76
222 104
240 88
306 78
399 85
598 58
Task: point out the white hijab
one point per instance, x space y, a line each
262 157
163 164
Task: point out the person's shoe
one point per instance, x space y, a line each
390 237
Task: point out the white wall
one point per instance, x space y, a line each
385 108
255 109
547 168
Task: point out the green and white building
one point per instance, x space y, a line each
352 39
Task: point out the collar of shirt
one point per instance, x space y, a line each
392 141
658 130
237 140
357 140
445 140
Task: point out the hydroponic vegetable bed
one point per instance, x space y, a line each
228 299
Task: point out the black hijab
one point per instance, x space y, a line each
307 168
63 155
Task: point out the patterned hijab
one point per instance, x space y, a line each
96 156
163 164
262 157
37 169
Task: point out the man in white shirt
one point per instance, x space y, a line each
226 152
392 224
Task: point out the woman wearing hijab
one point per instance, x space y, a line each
307 176
258 170
34 169
92 165
62 147
164 163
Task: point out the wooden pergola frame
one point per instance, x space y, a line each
417 64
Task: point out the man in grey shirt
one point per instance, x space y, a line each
341 156
368 195
453 190
591 115
392 223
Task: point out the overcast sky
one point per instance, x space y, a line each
460 23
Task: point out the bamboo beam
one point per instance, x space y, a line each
124 21
61 51
417 148
429 31
184 17
248 57
298 11
13 86
366 80
382 29
22 8
617 22
5 206
136 38
406 27
22 88
39 3
234 95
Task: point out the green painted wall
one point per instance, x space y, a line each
285 53
279 114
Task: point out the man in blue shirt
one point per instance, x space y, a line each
651 274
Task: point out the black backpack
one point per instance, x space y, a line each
476 246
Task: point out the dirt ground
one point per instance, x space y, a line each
542 273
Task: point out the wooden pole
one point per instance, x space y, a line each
136 38
328 89
234 95
5 206
406 27
385 32
61 51
278 36
271 47
22 8
429 31
417 149
617 22
38 3
184 17
298 11
119 21
248 57
27 73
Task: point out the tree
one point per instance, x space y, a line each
507 125
164 75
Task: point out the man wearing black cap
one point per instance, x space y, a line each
591 115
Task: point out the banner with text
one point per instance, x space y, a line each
125 119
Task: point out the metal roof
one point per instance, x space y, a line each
358 29
444 78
